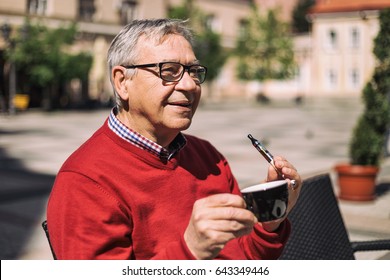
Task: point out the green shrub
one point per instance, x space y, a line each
370 133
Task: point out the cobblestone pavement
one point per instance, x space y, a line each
313 135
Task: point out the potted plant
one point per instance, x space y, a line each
357 180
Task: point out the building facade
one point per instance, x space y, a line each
334 59
342 36
99 21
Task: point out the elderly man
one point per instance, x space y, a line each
141 189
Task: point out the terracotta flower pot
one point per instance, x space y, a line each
356 182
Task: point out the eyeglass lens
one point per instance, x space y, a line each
173 72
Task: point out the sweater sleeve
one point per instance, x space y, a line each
86 222
176 250
260 244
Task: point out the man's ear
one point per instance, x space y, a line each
119 79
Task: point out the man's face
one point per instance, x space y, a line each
160 109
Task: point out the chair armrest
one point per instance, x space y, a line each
374 245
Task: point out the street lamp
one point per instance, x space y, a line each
6 33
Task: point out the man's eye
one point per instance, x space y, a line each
170 69
197 70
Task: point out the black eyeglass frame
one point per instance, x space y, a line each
160 65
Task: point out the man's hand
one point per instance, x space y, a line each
215 220
290 173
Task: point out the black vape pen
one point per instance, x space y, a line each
269 157
265 153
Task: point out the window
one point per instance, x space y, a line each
331 79
354 78
127 11
86 9
332 39
212 23
355 38
243 28
36 7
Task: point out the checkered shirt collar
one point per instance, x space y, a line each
142 142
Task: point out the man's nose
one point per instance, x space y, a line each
187 82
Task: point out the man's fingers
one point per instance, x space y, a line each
223 200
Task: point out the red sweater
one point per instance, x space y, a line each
112 200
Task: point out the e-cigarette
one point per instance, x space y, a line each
265 153
269 157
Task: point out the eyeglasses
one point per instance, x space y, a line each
174 71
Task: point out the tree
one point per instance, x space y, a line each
299 16
264 48
44 62
207 45
369 135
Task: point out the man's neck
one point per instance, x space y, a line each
160 138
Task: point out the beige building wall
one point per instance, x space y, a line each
12 6
227 16
106 12
152 9
284 6
62 9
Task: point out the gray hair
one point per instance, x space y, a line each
124 50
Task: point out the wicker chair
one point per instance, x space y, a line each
318 230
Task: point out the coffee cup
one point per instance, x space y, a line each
267 201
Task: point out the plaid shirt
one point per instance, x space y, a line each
141 142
